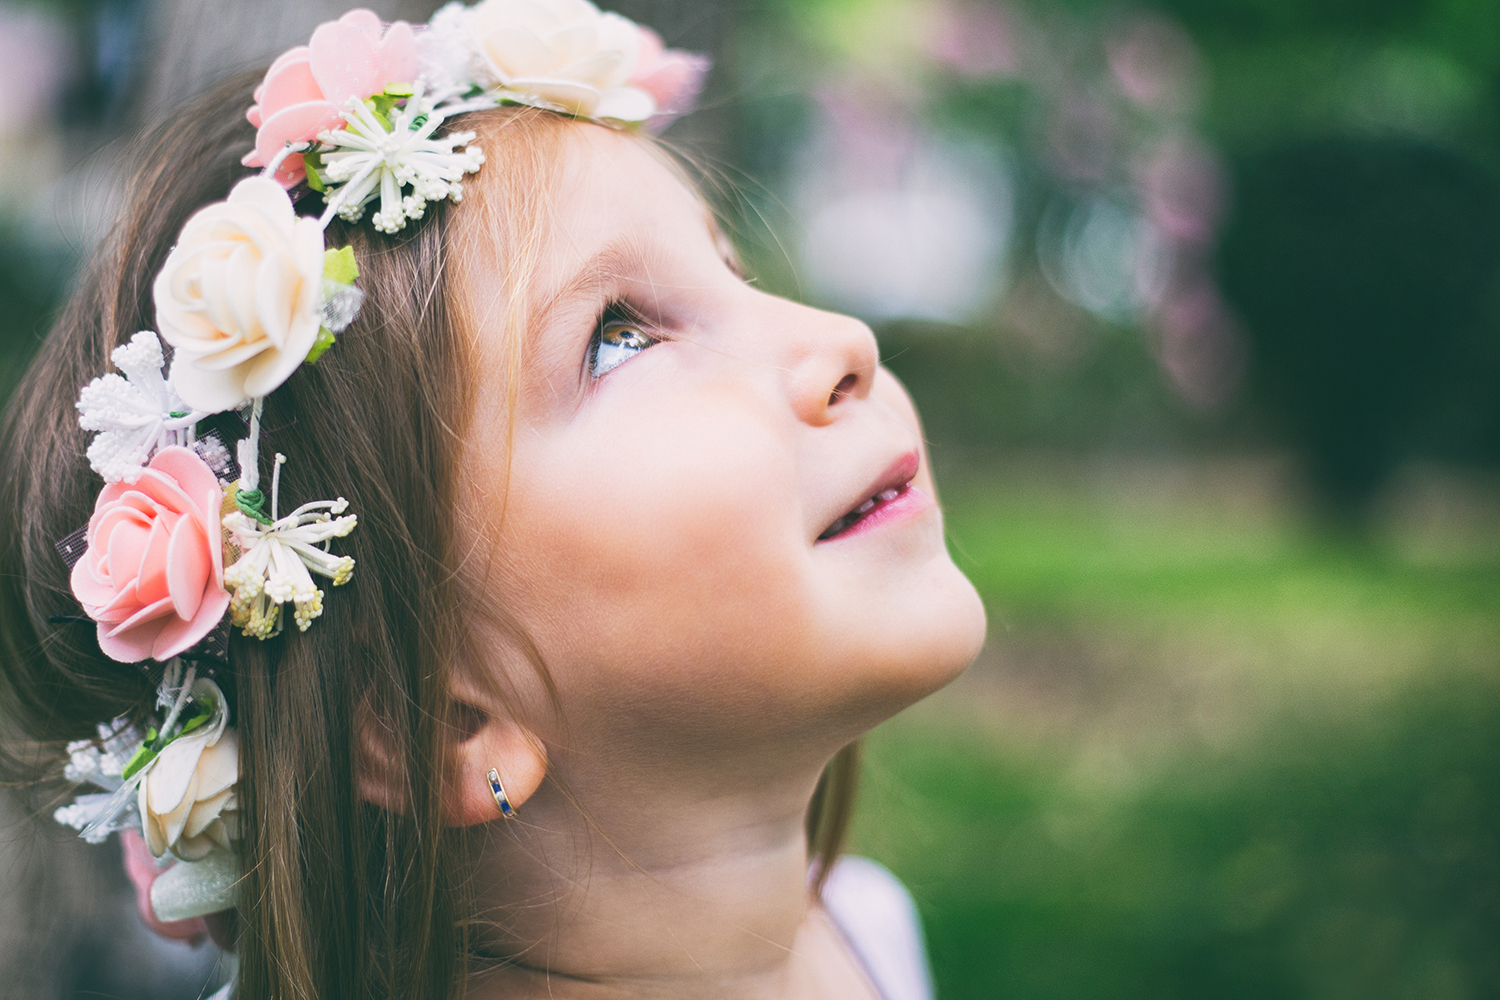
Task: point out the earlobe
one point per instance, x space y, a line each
486 741
518 759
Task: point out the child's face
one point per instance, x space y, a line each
658 536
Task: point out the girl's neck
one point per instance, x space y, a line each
687 896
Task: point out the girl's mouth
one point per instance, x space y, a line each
887 505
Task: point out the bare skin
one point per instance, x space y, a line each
660 545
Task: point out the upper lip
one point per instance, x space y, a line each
896 475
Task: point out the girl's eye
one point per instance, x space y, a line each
614 344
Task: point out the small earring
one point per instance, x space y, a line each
498 791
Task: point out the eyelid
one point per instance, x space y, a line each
622 310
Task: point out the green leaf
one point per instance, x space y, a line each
339 266
324 342
381 106
143 756
313 161
202 712
399 90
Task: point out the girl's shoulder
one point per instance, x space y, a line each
878 918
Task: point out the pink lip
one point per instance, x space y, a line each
891 498
909 502
906 504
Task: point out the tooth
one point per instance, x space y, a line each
864 506
887 495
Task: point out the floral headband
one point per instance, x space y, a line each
182 533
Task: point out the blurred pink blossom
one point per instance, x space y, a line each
1200 346
973 39
34 64
1182 190
1155 63
672 77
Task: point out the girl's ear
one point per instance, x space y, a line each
485 737
497 743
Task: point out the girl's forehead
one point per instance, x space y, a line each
615 187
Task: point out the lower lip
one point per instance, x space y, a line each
906 504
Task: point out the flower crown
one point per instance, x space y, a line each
182 533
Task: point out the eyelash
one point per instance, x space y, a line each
617 317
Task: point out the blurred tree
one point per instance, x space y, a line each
1362 268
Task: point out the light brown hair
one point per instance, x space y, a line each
339 898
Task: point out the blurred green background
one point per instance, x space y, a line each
1200 300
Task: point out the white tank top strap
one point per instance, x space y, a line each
877 917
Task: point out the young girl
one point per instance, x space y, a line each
566 567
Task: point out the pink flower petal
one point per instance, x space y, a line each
192 475
650 51
148 613
91 593
396 55
297 123
292 54
343 56
187 567
134 644
104 523
163 489
151 575
213 501
291 82
122 606
178 636
124 546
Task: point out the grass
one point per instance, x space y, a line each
1209 751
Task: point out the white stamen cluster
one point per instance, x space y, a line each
373 156
277 561
135 414
100 763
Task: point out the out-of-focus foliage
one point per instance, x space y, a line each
1369 270
1210 753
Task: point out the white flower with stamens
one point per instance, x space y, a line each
277 561
135 414
374 157
100 763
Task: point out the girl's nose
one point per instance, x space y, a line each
833 361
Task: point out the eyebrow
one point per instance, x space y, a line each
619 258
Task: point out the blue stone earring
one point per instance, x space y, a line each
498 791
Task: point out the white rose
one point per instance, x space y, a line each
187 799
239 296
565 55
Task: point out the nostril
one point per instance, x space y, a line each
845 386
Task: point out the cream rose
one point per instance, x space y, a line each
239 296
565 55
187 797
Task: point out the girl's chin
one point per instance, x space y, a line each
904 656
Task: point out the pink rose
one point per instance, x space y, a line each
307 89
152 576
672 77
